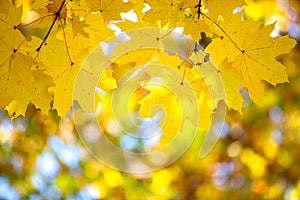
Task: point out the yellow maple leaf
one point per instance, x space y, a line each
78 26
187 86
207 83
11 17
58 5
9 22
259 63
16 79
120 70
223 8
162 100
140 22
143 55
97 28
232 82
41 97
16 108
37 94
160 10
253 53
63 60
107 82
39 5
109 9
228 36
164 11
15 74
194 26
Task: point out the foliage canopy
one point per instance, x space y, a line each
44 43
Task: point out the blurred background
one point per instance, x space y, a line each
257 157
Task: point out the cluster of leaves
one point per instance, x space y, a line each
41 58
258 155
257 158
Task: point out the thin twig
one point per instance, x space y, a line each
57 14
199 8
34 21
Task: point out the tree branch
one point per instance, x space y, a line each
199 8
57 14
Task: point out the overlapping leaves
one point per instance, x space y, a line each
40 59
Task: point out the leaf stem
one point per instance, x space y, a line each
181 83
162 37
226 34
34 21
66 43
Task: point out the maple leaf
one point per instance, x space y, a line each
15 74
16 108
168 104
109 9
37 94
207 84
164 11
10 20
58 7
227 36
107 82
187 85
5 6
192 22
223 8
41 97
44 13
54 45
232 82
40 5
78 26
119 71
144 56
193 8
194 27
253 53
64 70
16 79
160 10
20 83
140 23
97 28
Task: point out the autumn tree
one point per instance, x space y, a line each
173 66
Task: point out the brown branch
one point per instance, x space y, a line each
57 14
199 8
